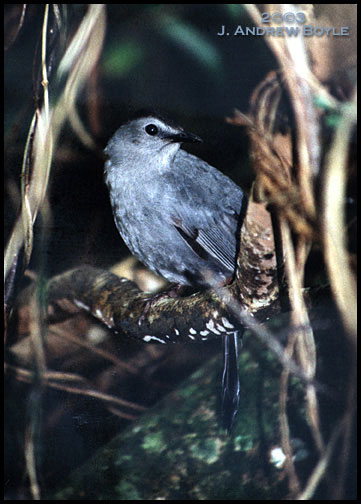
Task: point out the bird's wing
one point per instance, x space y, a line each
206 212
209 238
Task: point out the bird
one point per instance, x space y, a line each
179 216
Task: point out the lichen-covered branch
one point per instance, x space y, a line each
122 306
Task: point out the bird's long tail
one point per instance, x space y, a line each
230 381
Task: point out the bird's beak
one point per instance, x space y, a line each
183 137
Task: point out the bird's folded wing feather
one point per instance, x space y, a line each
205 207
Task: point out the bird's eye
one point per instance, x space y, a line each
151 129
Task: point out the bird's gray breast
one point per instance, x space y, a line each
179 221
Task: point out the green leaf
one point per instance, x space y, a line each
193 41
122 58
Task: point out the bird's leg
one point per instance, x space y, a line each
230 381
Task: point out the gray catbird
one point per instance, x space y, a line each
177 214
